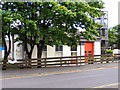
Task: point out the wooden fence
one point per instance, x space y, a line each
64 61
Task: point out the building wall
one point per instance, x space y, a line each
18 51
66 51
78 50
34 54
51 52
58 54
97 48
82 50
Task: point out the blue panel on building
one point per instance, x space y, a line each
2 48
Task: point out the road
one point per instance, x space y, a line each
99 78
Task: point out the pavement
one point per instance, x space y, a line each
53 70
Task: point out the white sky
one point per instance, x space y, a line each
112 7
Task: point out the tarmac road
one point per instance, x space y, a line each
98 78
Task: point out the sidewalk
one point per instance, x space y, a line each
31 71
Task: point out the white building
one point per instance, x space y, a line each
84 48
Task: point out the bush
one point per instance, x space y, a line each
109 51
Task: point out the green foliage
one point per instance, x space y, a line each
109 51
52 23
114 36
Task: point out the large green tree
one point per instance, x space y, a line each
55 23
7 19
6 30
114 36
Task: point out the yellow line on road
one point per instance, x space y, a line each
108 85
56 73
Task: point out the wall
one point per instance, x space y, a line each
82 50
19 52
50 51
78 50
66 51
58 54
97 48
34 54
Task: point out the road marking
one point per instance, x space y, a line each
107 85
56 73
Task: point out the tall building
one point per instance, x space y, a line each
103 32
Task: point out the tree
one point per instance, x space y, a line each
114 36
55 23
7 30
6 17
118 36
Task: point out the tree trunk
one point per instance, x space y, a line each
4 63
7 52
39 53
29 53
12 47
29 60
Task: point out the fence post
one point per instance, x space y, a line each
29 63
76 60
61 62
39 63
45 62
90 60
80 61
101 59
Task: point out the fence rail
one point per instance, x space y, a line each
63 61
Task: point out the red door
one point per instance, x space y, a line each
88 50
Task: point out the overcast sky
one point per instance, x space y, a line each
112 7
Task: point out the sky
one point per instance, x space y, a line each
112 7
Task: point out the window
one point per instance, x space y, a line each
89 52
103 43
103 32
82 43
74 48
73 53
60 48
45 48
